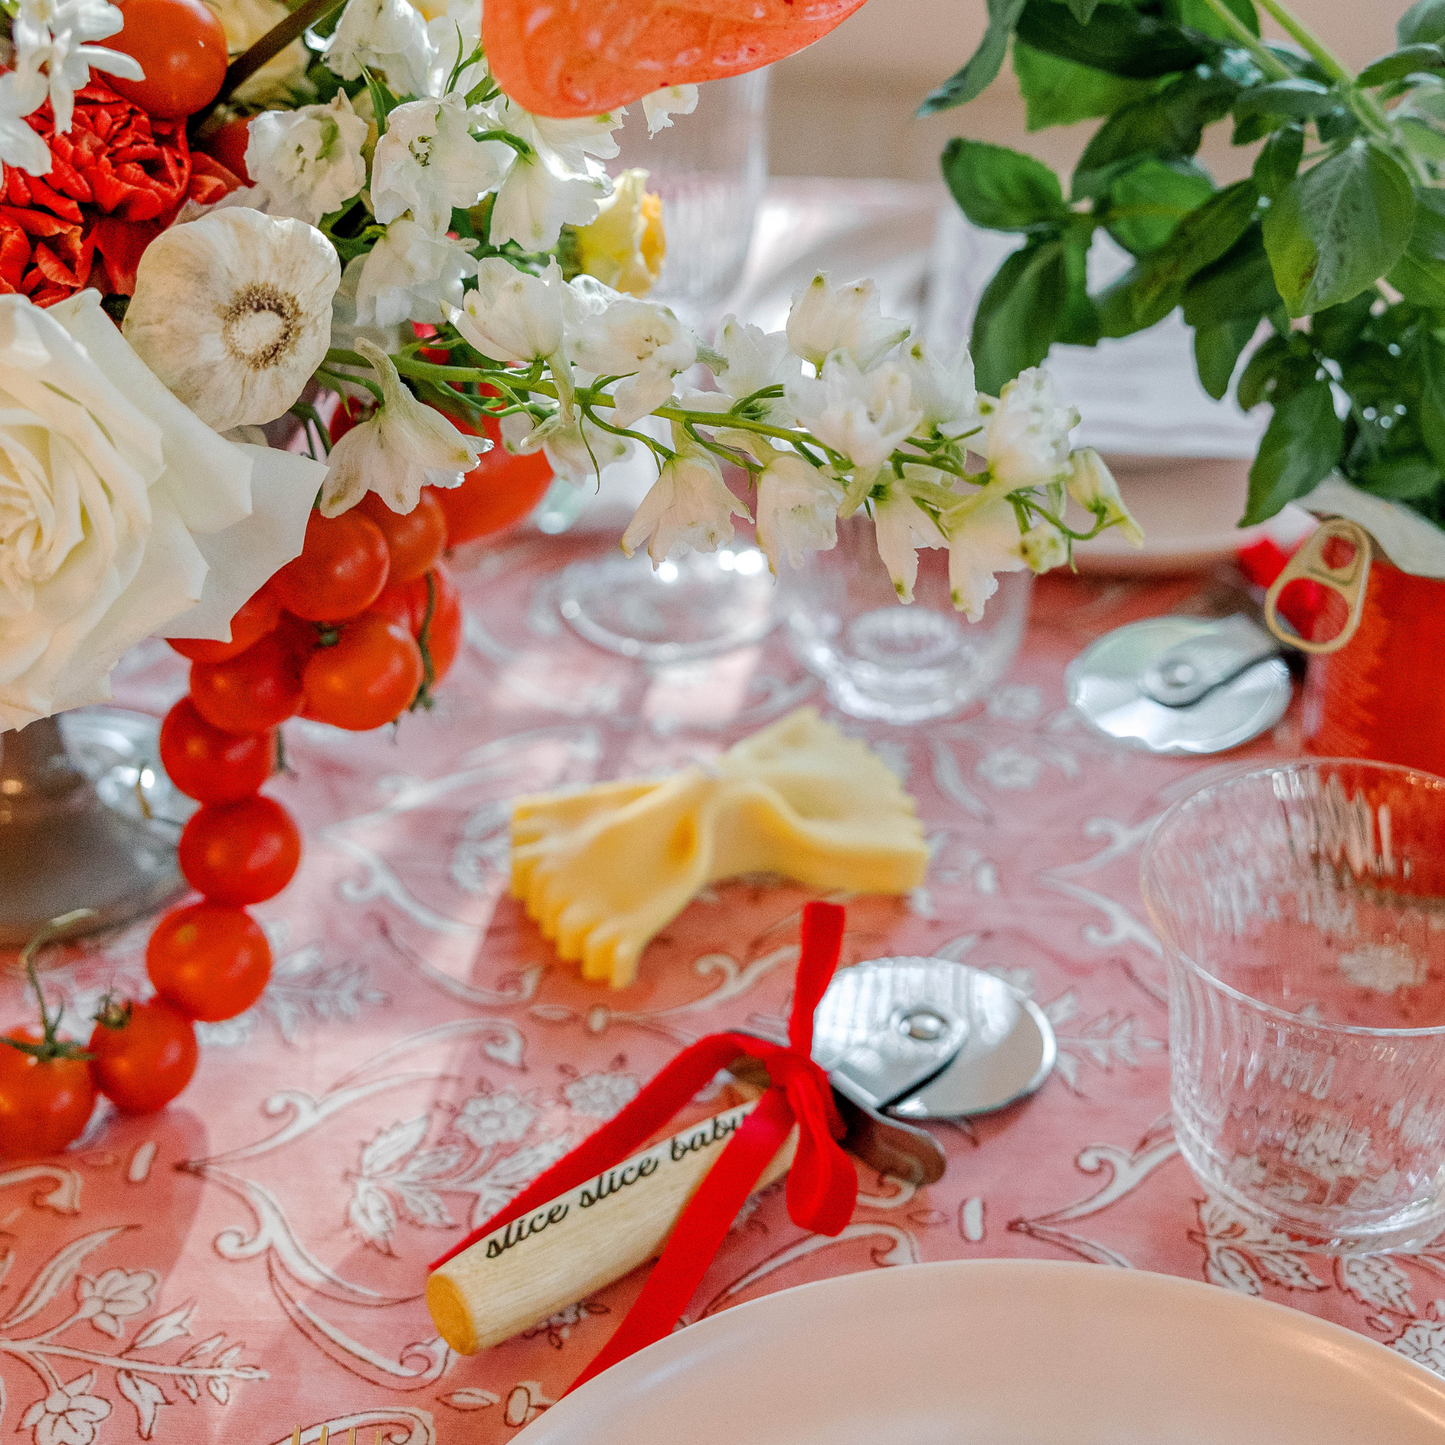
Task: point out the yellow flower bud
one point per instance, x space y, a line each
624 247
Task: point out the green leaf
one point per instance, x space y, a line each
1430 412
1419 275
1405 61
1000 189
1083 10
1299 449
1261 369
1296 97
1200 239
1124 307
1339 227
1422 137
1199 15
1148 200
1422 24
383 102
1402 479
1079 321
1239 284
1217 350
1336 331
1168 124
1278 160
1252 128
984 64
1059 92
1018 313
1117 38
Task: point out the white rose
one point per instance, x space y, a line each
121 513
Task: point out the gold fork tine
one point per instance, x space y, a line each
296 1436
325 1434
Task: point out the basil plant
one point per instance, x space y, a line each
1336 240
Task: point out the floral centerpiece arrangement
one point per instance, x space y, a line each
357 223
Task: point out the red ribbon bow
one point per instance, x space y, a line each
822 1184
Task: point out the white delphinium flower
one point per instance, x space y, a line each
751 359
307 162
55 34
1091 484
427 163
386 35
901 527
849 319
689 508
659 106
557 181
944 392
576 449
1026 432
513 316
411 274
233 312
453 38
20 93
403 447
862 415
983 540
797 509
1044 547
608 334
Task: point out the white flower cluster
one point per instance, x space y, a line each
453 139
53 59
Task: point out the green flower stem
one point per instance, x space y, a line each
1267 61
1298 30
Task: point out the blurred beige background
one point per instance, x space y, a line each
844 107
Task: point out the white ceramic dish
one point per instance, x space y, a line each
1005 1352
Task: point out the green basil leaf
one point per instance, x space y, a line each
1430 410
1419 275
1217 349
1239 284
1402 479
1018 313
1297 98
984 64
1124 307
1200 239
1299 449
1422 24
1277 163
1059 92
1337 125
1260 370
1000 189
1079 322
1338 227
1405 61
1254 127
1082 10
1168 124
1148 200
1422 137
1337 332
1117 38
1199 15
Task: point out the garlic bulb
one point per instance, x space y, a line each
233 312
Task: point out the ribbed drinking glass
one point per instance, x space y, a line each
1302 913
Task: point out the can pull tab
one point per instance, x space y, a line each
1190 669
1311 564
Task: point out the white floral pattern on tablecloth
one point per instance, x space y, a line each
253 1257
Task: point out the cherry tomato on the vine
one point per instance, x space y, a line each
414 539
209 961
342 568
408 604
209 764
253 620
227 144
242 852
500 490
143 1054
252 692
351 412
44 1102
369 677
182 49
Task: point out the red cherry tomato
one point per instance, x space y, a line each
252 692
414 539
368 678
227 144
182 49
242 852
144 1055
211 765
408 604
500 490
253 620
44 1103
342 568
209 962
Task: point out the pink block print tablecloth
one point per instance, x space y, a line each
253 1257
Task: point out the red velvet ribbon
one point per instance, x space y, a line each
822 1184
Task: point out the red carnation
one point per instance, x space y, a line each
116 181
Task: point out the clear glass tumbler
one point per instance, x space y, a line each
883 660
1302 912
710 168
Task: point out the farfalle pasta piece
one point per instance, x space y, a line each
604 869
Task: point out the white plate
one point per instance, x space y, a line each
1005 1352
